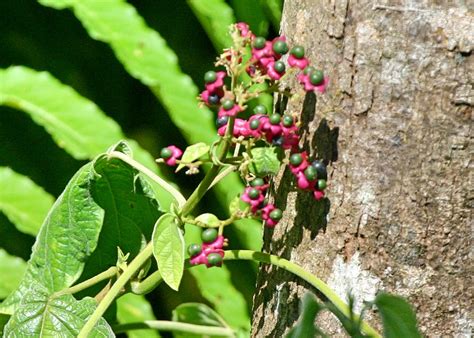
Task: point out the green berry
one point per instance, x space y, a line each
279 67
253 193
259 42
297 52
316 77
214 259
296 159
194 249
257 182
276 214
260 109
280 47
287 121
275 119
311 173
322 184
227 104
308 70
254 124
166 153
209 235
210 76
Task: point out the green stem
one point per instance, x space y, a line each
128 273
147 285
107 274
164 325
140 167
302 273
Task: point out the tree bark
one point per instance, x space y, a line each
395 128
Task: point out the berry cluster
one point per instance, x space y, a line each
254 195
311 177
170 155
210 252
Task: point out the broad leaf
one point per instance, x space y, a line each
265 161
168 249
251 12
273 9
192 153
22 201
198 314
40 315
11 271
215 17
398 318
134 308
305 327
209 220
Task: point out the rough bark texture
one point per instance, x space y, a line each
395 127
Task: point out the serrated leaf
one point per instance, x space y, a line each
198 314
265 161
168 249
215 17
398 318
39 315
11 269
22 201
208 219
309 309
75 123
134 308
192 153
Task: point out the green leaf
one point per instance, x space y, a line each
40 315
215 17
134 308
11 269
198 314
168 249
209 220
305 326
398 318
265 161
251 12
22 201
273 9
75 123
192 153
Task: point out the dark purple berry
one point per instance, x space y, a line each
280 47
316 77
194 249
297 52
213 99
222 121
253 193
260 109
288 121
227 104
276 214
209 235
320 168
279 67
259 42
275 119
214 259
322 184
296 159
257 182
166 153
311 173
210 76
254 124
278 141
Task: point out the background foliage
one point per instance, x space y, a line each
38 157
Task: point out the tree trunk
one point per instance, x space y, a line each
394 127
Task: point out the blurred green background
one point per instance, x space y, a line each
46 39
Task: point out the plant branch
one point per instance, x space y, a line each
164 325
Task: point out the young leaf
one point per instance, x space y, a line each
265 161
198 314
168 249
39 315
215 17
209 220
11 269
309 310
192 153
398 317
22 201
134 308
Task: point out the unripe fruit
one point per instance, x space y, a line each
260 109
311 173
316 77
253 193
287 121
254 124
227 104
297 52
276 214
280 47
194 249
210 76
259 42
214 259
257 182
322 184
279 67
209 235
309 70
296 159
166 153
275 119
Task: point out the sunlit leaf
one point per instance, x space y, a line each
251 12
22 201
11 271
196 313
192 153
168 249
265 161
134 308
208 219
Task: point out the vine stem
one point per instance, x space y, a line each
164 325
305 275
140 167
